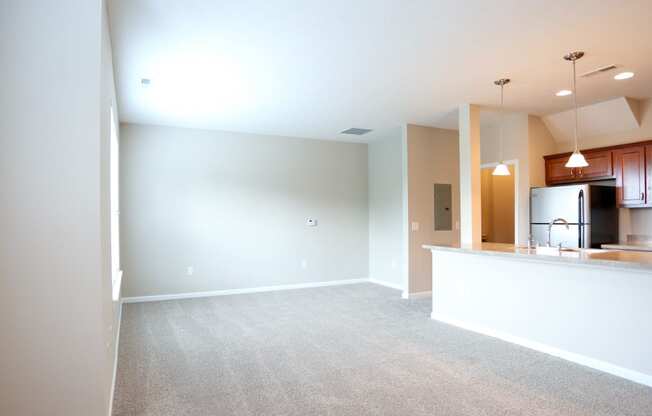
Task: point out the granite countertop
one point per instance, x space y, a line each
612 259
628 247
634 242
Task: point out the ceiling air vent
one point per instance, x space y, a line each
598 71
355 130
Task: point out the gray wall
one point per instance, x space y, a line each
233 206
386 216
55 299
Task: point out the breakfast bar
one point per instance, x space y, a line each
590 306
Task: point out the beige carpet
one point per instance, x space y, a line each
347 350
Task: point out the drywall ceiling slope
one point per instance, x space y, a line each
315 68
613 116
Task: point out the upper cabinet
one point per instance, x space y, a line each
600 167
648 177
556 172
629 164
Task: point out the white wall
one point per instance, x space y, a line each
234 207
111 313
470 174
636 220
433 157
386 217
644 132
541 143
55 308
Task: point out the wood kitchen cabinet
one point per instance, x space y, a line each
648 175
629 169
557 172
600 167
630 164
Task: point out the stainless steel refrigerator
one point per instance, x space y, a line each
590 211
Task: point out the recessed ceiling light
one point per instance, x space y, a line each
624 75
145 82
563 93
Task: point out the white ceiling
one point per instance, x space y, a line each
607 117
314 68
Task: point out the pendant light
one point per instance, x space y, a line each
576 160
501 169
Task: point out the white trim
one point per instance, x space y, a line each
116 284
405 207
155 298
547 349
115 360
416 295
387 284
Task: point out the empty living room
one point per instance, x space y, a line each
347 208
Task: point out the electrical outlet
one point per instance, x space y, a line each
311 222
190 270
415 226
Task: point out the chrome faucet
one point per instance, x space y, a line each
553 222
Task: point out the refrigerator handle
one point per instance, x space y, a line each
580 217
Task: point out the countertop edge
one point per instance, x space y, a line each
628 247
540 258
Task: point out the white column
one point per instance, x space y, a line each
470 185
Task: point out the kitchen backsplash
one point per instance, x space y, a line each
645 239
635 222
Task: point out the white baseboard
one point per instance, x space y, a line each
156 298
115 361
606 367
416 295
386 284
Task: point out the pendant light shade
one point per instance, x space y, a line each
577 159
501 169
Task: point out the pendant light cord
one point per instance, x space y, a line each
575 105
502 121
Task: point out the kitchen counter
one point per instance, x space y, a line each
628 247
634 242
588 306
612 259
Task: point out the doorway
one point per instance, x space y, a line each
498 206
